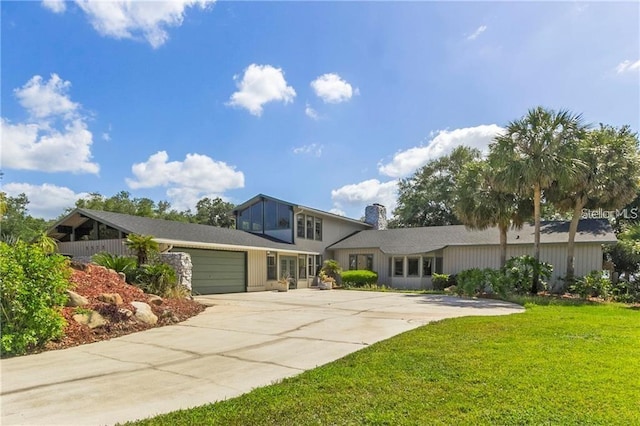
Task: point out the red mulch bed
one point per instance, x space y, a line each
95 280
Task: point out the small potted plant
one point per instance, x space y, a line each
283 283
326 282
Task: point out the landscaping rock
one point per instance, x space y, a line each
144 313
325 285
78 266
125 313
155 300
122 276
111 298
91 319
75 299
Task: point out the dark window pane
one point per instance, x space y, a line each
302 267
310 227
353 261
369 262
244 219
426 266
438 265
270 215
300 225
318 229
413 265
256 217
398 267
271 268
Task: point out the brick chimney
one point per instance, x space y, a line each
376 216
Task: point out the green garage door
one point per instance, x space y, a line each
216 271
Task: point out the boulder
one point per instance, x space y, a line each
75 299
111 298
125 313
144 313
122 276
91 319
155 300
78 266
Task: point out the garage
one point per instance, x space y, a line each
217 271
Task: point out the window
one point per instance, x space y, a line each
311 269
413 266
361 261
302 267
272 274
256 217
318 229
398 266
426 266
300 225
438 265
310 227
318 263
268 217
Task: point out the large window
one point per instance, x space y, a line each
413 267
361 261
398 266
309 227
427 267
268 217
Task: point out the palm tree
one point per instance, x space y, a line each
610 180
142 245
533 153
481 205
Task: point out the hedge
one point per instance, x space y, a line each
359 278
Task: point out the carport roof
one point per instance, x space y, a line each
428 239
175 233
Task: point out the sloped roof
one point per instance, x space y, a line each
306 209
427 239
177 233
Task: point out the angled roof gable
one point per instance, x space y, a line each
427 239
177 233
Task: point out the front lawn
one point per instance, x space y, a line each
554 364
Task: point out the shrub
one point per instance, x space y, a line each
157 278
32 290
440 281
359 278
520 270
332 269
124 264
592 285
470 281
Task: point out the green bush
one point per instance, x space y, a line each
440 281
157 278
359 278
520 270
592 285
124 264
32 287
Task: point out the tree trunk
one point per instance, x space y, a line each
503 244
571 243
537 195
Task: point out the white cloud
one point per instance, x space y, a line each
128 19
628 66
477 32
310 112
43 100
261 84
332 89
366 192
56 6
189 180
45 201
337 211
406 162
311 149
55 138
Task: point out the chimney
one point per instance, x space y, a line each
376 216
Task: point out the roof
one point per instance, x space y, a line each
427 239
176 233
300 208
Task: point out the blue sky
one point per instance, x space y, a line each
324 104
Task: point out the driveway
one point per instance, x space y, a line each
242 341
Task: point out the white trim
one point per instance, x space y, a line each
193 244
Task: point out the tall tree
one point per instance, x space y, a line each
16 222
214 212
534 152
428 197
123 203
481 204
610 180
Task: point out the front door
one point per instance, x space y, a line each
288 270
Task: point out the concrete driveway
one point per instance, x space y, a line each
242 341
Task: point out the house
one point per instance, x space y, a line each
407 258
276 240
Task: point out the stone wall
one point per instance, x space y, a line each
181 263
376 215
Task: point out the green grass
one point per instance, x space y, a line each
563 363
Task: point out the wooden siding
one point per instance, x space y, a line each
89 248
588 257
